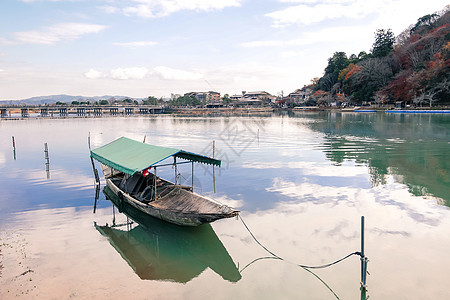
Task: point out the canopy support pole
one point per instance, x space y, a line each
364 261
192 176
175 167
154 177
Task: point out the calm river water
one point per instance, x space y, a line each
302 183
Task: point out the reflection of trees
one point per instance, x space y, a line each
413 148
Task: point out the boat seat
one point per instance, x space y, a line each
147 194
133 184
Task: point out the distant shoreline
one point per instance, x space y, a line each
16 113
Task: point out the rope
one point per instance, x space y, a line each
305 267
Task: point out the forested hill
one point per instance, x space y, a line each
412 67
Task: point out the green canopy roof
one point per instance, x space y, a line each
130 156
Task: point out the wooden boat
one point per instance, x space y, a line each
127 166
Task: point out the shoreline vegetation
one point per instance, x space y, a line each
413 68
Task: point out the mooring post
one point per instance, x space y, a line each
97 179
97 195
14 147
214 171
47 160
46 151
363 263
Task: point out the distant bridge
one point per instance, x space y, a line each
9 111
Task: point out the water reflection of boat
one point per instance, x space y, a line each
127 165
157 250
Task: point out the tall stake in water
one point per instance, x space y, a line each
47 160
363 263
14 147
214 172
97 179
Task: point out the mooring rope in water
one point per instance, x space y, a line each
305 267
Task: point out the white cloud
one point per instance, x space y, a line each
4 41
119 73
393 14
163 8
134 45
57 33
129 73
108 9
93 74
175 74
307 14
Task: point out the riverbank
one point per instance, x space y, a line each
17 114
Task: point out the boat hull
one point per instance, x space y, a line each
168 215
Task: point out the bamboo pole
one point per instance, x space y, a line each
192 176
14 147
175 169
363 263
214 171
47 160
155 182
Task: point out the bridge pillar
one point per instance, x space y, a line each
81 111
129 110
113 111
63 112
24 113
44 112
97 111
3 113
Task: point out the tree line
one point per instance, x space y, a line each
412 67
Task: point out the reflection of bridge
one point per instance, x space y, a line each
78 110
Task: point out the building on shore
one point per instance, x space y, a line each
205 97
259 98
300 96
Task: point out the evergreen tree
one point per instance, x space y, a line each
384 43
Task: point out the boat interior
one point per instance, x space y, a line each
143 188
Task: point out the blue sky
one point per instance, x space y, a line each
142 48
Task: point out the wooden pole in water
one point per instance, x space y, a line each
97 195
46 151
14 147
47 160
97 179
214 170
363 263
